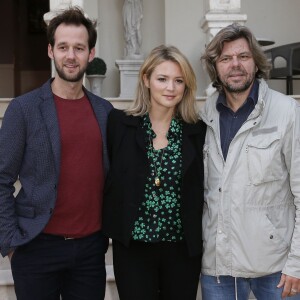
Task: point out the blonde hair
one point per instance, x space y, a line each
186 109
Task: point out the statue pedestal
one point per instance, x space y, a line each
129 71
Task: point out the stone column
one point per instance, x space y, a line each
129 66
219 14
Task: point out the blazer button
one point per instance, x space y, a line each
51 211
271 236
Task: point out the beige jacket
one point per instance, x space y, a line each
251 220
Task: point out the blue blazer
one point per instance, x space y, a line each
30 152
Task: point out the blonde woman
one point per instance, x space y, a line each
154 191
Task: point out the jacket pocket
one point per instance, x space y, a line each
264 158
25 211
275 234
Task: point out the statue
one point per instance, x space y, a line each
132 18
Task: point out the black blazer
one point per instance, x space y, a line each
125 183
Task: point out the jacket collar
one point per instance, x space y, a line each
135 121
130 120
210 115
101 115
49 114
190 129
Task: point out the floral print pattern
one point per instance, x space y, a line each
159 216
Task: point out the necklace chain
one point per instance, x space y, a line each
157 180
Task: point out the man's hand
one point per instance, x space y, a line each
291 285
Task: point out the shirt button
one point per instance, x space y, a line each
220 190
271 237
154 216
220 231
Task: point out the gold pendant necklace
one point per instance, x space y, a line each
157 171
157 181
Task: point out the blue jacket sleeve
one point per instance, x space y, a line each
12 145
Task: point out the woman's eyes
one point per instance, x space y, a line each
163 79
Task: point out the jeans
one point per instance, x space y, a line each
52 268
230 288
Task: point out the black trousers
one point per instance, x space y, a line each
152 271
50 267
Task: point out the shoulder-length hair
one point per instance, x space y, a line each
186 109
229 34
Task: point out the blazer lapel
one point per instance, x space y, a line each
49 114
140 137
101 115
136 122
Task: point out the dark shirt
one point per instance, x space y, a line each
230 121
159 214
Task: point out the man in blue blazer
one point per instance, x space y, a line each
53 140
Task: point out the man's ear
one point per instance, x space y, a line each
50 51
92 54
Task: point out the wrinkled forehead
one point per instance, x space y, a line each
235 47
71 34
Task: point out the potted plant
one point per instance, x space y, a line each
95 73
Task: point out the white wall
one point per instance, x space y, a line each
278 20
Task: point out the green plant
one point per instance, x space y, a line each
96 67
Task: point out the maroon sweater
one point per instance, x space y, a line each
77 212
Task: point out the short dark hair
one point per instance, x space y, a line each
73 16
229 34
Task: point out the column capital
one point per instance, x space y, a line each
213 22
223 6
219 14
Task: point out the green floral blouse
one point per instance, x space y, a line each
159 214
